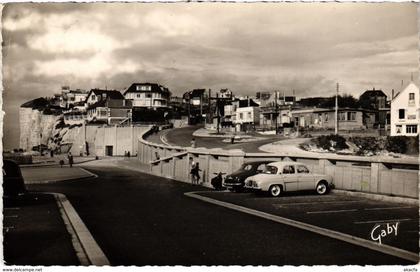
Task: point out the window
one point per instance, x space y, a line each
241 115
411 97
411 129
249 115
271 170
138 95
289 169
302 169
148 95
398 129
247 167
341 116
261 168
351 116
401 113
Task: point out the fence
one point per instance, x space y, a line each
388 176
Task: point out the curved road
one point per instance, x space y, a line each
139 219
183 137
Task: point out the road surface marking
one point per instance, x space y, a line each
388 208
404 254
84 240
10 209
382 221
333 211
318 202
10 216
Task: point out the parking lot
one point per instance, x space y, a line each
356 216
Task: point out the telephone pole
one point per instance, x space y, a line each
336 111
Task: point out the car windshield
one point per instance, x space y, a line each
271 170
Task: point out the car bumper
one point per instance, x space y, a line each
251 188
233 184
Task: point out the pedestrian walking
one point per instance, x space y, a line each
193 143
70 158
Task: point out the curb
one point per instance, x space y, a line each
89 175
87 250
393 199
163 138
404 254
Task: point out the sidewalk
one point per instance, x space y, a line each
131 163
34 233
46 174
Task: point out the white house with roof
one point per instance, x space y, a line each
405 112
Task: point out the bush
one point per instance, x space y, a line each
402 144
368 144
331 142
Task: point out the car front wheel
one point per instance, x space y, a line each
275 190
322 188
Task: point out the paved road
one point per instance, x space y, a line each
183 136
34 232
138 219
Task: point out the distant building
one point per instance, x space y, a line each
107 106
148 95
376 100
322 118
69 98
225 93
245 114
97 95
405 112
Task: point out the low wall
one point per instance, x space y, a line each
389 176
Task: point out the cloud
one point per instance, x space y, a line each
306 47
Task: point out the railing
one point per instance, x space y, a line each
388 176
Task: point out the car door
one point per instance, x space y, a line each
290 179
305 178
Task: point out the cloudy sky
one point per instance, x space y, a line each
245 47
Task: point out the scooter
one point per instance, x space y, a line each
217 181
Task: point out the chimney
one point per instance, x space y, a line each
392 94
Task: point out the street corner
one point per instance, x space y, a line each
50 174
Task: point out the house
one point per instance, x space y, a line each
97 95
148 95
69 98
376 100
324 118
245 114
405 112
110 108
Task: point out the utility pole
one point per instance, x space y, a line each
336 111
218 113
276 109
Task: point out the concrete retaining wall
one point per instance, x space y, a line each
363 174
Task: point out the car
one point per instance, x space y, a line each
13 182
287 176
235 181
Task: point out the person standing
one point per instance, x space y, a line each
196 173
70 158
192 167
193 143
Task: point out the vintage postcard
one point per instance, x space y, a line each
210 134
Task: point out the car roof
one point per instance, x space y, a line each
258 162
280 164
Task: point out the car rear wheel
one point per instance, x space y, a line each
322 188
275 190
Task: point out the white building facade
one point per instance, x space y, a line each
405 112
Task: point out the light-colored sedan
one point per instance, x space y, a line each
287 176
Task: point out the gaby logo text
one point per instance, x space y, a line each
381 231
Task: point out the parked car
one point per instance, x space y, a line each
287 176
13 183
236 180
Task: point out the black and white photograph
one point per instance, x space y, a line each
202 134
